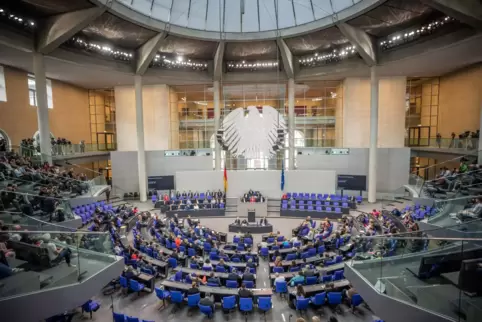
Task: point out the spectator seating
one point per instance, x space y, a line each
118 317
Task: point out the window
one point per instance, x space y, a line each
3 89
32 92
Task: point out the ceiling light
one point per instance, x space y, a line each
179 58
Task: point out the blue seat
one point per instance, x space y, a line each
162 295
248 284
302 304
305 255
328 208
193 300
319 299
334 300
207 268
193 266
118 317
264 251
338 275
281 288
248 241
290 257
229 303
177 298
338 210
356 300
172 262
295 269
310 208
191 252
90 307
207 310
123 283
207 247
310 280
327 278
131 319
318 208
284 206
220 269
312 252
246 305
264 304
278 269
236 239
231 284
339 259
135 286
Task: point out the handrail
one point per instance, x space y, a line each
29 194
419 238
43 222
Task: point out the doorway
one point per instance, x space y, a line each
105 141
419 136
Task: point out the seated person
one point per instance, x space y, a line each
263 221
244 292
56 254
233 276
297 295
244 222
469 214
193 290
348 293
207 264
207 300
213 279
248 276
237 221
297 278
250 263
279 278
278 262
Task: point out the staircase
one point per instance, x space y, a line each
274 206
231 207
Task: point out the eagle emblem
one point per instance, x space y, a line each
251 133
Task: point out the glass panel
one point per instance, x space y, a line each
46 259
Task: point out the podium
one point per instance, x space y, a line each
251 215
252 209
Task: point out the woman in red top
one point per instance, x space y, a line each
178 241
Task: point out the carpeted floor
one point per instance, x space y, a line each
146 305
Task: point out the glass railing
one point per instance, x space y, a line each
64 150
47 259
438 274
26 205
465 144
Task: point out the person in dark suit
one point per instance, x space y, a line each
233 276
193 290
214 280
237 221
244 292
247 276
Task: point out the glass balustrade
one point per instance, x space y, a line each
458 144
441 275
38 259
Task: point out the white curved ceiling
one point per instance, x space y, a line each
244 16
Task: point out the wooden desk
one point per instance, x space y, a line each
317 288
241 253
325 269
200 272
241 266
309 260
220 291
155 262
147 280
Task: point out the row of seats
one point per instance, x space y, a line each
319 196
228 302
317 203
229 283
92 206
311 208
118 317
420 212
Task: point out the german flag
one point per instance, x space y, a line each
225 179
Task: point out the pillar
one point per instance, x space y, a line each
217 117
291 123
479 149
372 159
141 153
42 107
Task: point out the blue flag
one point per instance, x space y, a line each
283 176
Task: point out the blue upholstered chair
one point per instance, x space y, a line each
264 304
135 286
302 304
162 295
118 317
281 288
319 299
177 298
90 307
246 306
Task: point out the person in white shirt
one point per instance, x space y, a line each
196 206
188 202
57 254
294 239
279 278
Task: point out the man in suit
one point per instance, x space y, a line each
237 221
193 290
247 276
244 292
214 280
233 276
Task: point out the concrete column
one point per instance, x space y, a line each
42 107
291 123
141 153
479 154
217 119
372 160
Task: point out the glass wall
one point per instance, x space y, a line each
102 119
421 117
316 105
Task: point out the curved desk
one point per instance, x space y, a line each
253 229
